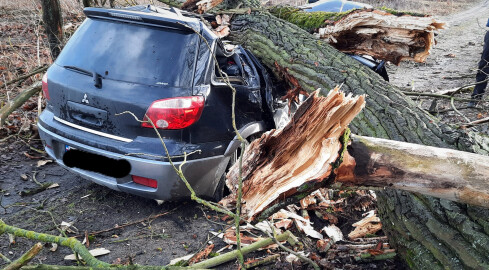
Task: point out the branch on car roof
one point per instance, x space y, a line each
11 106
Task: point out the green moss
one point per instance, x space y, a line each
213 254
308 21
401 13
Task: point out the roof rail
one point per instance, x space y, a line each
176 11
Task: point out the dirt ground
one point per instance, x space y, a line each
181 227
452 64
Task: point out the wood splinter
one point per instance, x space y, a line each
285 165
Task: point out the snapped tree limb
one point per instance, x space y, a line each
390 36
294 159
11 106
308 153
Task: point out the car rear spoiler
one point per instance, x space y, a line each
168 18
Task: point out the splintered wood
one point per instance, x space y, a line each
383 35
287 161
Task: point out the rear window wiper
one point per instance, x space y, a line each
97 78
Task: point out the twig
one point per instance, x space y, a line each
179 171
455 109
127 224
369 257
24 259
468 85
276 240
5 258
408 93
23 77
115 267
265 260
449 110
476 122
245 250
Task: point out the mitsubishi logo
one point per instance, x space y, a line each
85 99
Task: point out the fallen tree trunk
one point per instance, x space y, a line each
427 232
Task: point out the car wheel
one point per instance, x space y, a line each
221 189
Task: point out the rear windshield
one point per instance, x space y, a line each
133 53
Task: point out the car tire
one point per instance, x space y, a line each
221 189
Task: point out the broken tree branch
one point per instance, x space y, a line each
302 153
6 110
263 261
24 259
25 76
421 94
245 250
308 153
439 172
389 36
127 224
72 243
474 123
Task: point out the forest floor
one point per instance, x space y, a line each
452 64
160 233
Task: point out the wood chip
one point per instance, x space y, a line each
334 233
95 252
184 258
370 224
55 185
43 162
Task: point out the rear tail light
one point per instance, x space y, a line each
174 113
45 86
144 181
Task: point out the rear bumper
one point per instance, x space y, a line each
202 174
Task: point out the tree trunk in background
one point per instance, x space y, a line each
53 24
427 232
86 3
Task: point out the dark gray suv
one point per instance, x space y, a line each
152 62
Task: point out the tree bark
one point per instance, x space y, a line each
427 232
439 172
53 24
